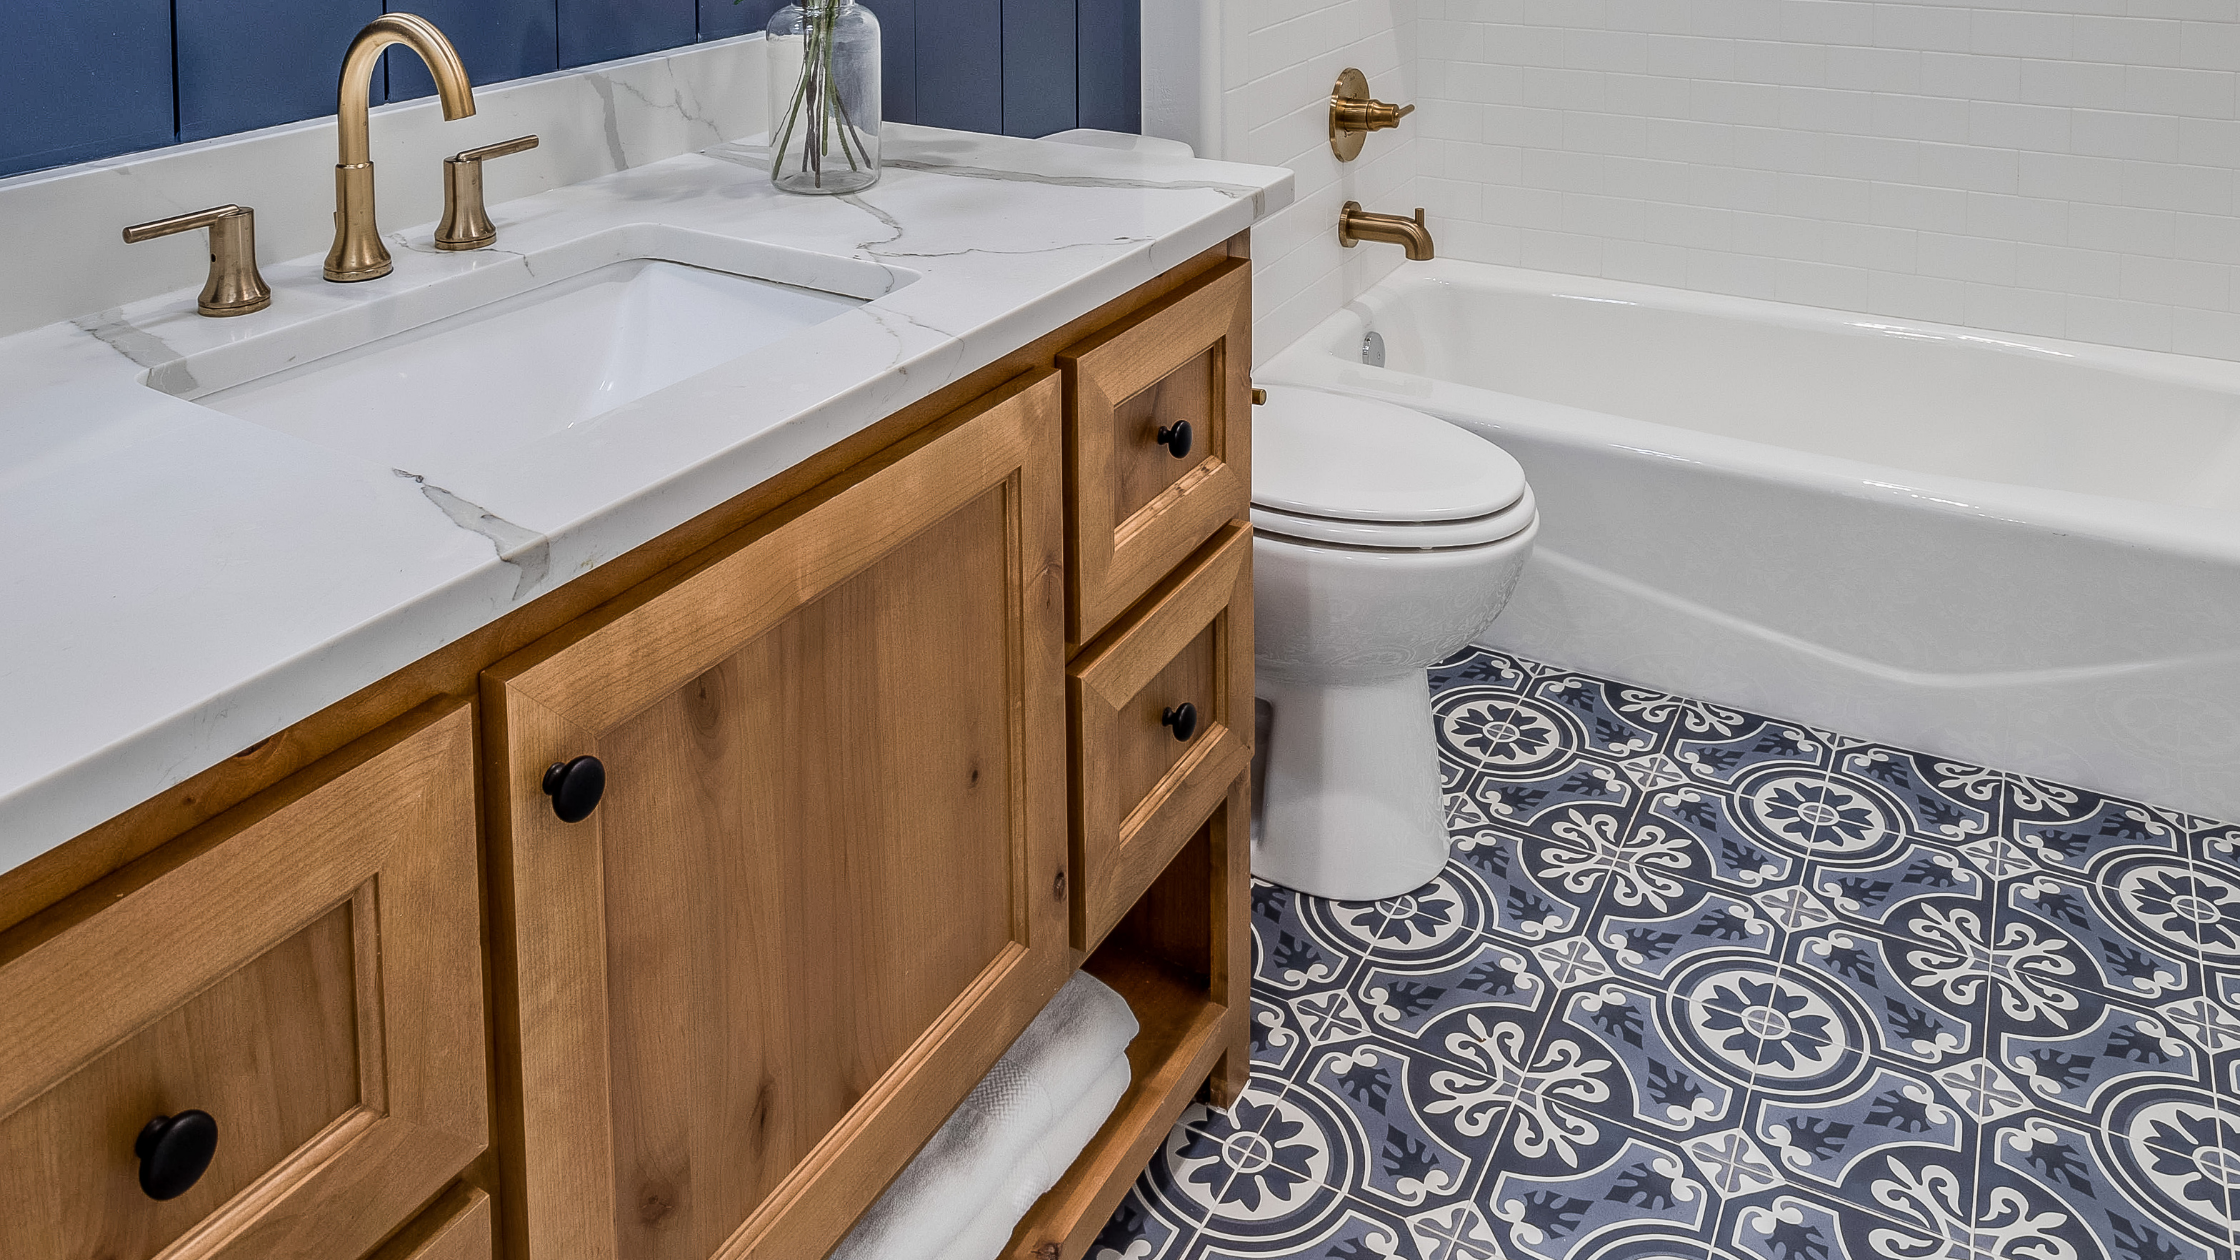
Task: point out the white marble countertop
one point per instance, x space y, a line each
178 584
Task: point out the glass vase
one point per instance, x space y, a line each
824 97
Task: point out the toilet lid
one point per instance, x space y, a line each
1360 459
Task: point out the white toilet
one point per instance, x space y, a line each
1384 540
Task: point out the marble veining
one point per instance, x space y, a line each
145 348
200 581
525 550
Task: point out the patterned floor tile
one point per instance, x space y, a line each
1700 984
1436 923
1934 802
1494 978
1919 1017
2041 1156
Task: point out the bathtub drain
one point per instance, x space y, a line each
1372 350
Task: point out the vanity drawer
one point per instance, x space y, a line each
306 970
1136 507
1140 791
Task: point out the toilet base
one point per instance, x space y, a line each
1350 792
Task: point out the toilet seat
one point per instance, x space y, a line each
1360 472
1475 531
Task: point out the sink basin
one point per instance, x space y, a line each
504 372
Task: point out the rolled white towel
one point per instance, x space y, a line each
1066 1047
1040 1168
1037 1082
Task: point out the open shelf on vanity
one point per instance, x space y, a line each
1169 956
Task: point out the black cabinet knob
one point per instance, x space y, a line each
575 787
1183 718
174 1152
1176 438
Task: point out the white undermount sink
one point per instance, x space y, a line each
469 374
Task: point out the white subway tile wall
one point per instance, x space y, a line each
2061 167
1278 59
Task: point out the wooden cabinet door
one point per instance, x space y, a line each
307 969
826 884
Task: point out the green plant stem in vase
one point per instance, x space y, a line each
824 102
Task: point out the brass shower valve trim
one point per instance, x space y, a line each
1354 114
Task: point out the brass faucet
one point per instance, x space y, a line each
358 253
1356 225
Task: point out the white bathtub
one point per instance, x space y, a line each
2012 551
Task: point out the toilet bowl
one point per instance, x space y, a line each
1383 541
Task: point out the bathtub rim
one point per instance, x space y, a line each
1327 358
2167 366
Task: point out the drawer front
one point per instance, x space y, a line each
306 970
1143 499
1140 791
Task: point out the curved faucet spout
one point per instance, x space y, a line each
1356 225
421 36
358 253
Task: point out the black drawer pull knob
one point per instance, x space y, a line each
1183 718
1176 438
575 787
174 1152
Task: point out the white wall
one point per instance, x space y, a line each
2063 167
1274 62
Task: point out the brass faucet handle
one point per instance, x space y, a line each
234 286
466 224
1370 115
1354 114
503 148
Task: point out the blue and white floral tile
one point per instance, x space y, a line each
1435 923
1933 794
1700 984
1418 1003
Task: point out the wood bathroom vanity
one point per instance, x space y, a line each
888 746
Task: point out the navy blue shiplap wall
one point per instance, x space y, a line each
82 79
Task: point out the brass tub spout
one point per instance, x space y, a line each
1356 224
358 253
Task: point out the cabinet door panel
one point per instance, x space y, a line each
305 968
820 869
822 891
